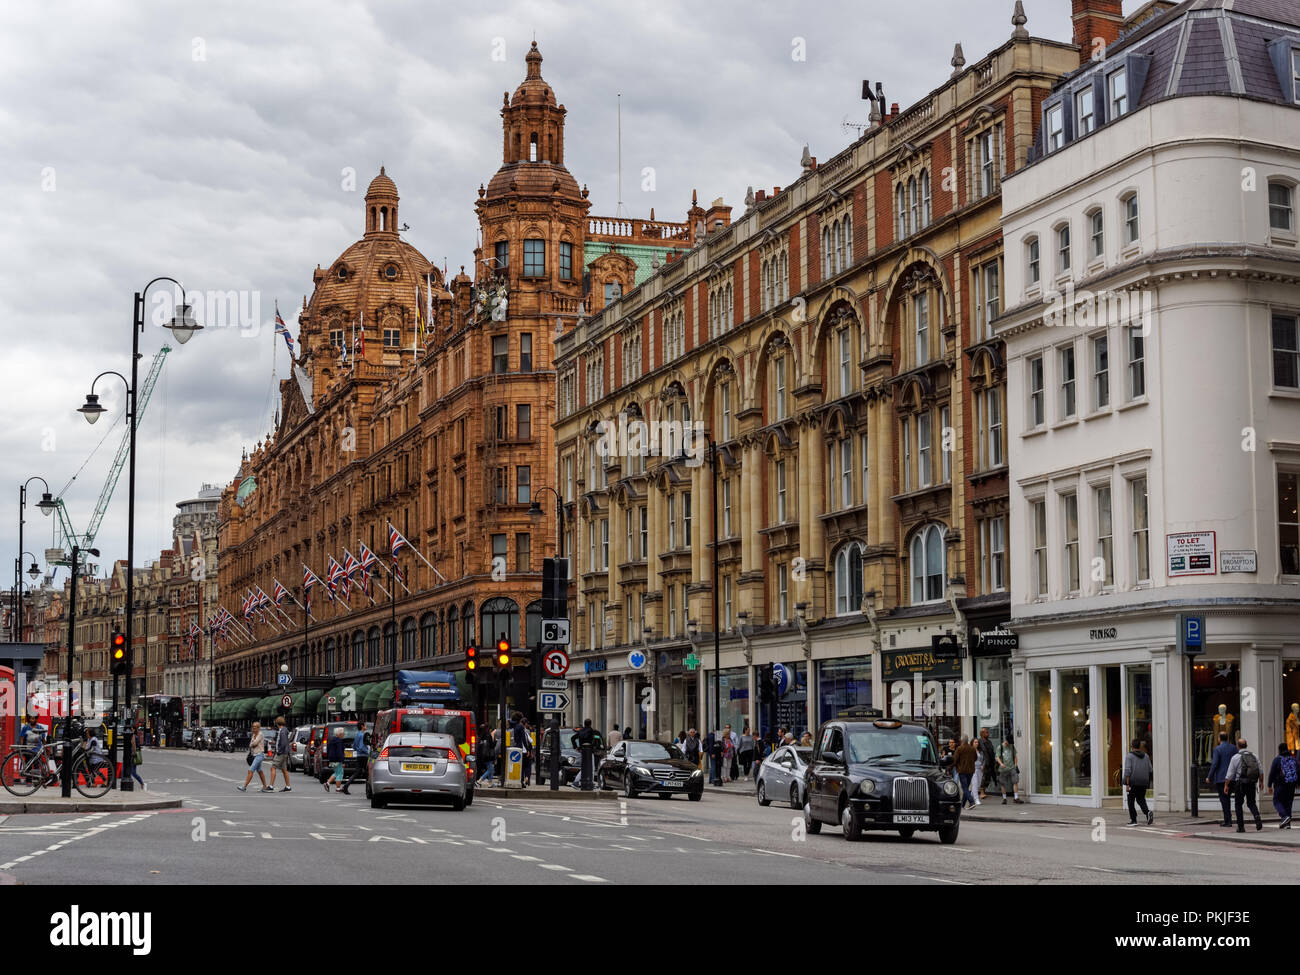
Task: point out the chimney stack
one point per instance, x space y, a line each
1097 25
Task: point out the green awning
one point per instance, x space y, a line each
305 702
243 709
268 706
385 699
205 714
370 700
323 704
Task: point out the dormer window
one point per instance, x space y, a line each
1117 93
390 272
343 273
1055 128
1083 112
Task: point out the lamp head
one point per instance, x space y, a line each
91 409
535 509
183 325
47 504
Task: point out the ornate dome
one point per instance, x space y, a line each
533 90
381 185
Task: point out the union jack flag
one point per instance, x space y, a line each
396 542
309 579
282 329
368 558
281 593
335 574
248 606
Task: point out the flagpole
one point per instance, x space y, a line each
385 568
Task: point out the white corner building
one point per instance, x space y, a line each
1153 280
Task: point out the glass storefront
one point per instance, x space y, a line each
1290 700
1113 742
735 699
792 706
993 677
1215 684
842 683
1076 733
1040 696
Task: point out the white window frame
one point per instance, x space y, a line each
1285 208
1140 519
924 443
1117 93
1099 356
726 507
845 345
921 326
1132 219
1063 244
945 456
1283 352
1096 235
1067 370
1037 403
781 506
1085 117
1038 546
1136 354
844 602
905 435
1105 522
921 570
778 369
1055 126
846 471
782 592
1033 262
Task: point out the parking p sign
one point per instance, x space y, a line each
1191 634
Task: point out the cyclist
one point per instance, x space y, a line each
32 734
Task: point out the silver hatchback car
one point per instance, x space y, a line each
416 765
781 776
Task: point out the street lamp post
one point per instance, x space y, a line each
66 784
535 512
182 326
47 504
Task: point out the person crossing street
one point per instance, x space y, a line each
361 755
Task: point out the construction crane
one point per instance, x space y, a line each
67 536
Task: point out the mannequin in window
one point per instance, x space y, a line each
1223 722
1293 729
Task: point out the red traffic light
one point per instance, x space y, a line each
503 653
471 658
119 646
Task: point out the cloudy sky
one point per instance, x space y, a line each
213 143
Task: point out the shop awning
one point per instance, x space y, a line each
243 709
305 703
370 700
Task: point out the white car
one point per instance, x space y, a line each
298 739
781 776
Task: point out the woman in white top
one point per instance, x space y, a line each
256 752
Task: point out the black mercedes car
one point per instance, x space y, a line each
881 775
649 766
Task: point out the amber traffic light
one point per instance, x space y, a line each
503 655
471 658
119 653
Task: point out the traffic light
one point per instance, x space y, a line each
119 653
471 662
503 656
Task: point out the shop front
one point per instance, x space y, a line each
991 645
732 696
842 683
676 692
926 686
791 699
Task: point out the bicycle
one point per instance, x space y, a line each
26 770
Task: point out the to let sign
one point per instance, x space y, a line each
1191 554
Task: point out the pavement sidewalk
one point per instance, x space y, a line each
49 800
1206 825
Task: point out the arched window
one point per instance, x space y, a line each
826 252
500 617
452 643
913 204
900 212
925 198
329 655
532 147
848 240
390 643
428 635
533 624
467 618
928 557
358 650
372 647
840 226
408 638
783 279
848 579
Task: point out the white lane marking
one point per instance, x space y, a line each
526 858
214 775
588 877
622 812
555 866
777 853
938 880
1080 866
498 849
94 830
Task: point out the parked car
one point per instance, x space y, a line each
639 767
781 776
298 747
416 765
879 775
187 737
320 767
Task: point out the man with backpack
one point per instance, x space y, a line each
1243 776
1282 775
1137 779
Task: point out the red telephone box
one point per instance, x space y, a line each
8 708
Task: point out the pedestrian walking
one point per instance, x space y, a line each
615 737
1223 755
691 747
487 754
1243 776
335 753
729 754
746 750
585 740
964 764
1008 770
628 733
714 746
978 776
989 763
1137 779
360 752
947 753
137 758
256 755
280 754
1282 775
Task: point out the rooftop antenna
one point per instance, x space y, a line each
619 210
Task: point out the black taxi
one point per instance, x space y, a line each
879 774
